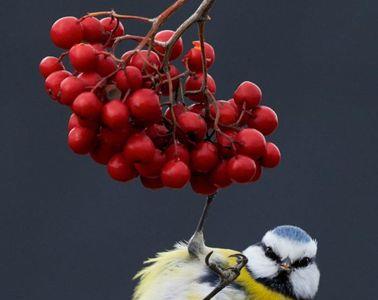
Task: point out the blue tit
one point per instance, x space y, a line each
280 267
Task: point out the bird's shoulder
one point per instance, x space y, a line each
180 255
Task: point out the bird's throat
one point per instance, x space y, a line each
260 290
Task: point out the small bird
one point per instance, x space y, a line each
280 267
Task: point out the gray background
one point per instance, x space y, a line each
68 232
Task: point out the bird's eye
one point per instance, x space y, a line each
270 254
302 263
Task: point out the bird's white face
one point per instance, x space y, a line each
285 262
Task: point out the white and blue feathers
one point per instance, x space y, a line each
291 241
287 242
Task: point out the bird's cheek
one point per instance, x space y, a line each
261 269
271 270
305 281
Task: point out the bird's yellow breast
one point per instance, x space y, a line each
254 289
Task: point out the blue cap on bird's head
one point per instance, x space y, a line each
293 233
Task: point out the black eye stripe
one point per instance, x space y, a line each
270 253
302 263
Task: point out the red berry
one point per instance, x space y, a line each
177 152
102 153
87 106
52 83
152 183
174 72
70 88
178 109
115 114
228 114
120 169
90 79
105 65
99 47
66 32
198 108
148 83
112 26
226 139
251 142
248 93
201 184
264 119
175 174
83 57
127 56
204 157
130 78
81 140
193 125
241 168
134 77
121 81
144 105
153 168
139 148
193 59
49 65
115 138
164 36
93 30
272 156
258 173
75 121
159 134
194 83
146 61
219 177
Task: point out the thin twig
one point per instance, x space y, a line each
159 21
199 15
113 14
171 107
204 89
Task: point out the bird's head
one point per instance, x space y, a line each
284 261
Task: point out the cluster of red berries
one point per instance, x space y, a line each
121 116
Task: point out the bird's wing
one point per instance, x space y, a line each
178 275
166 274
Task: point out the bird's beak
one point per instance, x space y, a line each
286 265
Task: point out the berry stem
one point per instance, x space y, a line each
119 16
108 42
104 80
204 89
62 56
171 107
159 21
181 75
199 15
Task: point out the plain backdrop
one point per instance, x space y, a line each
68 232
